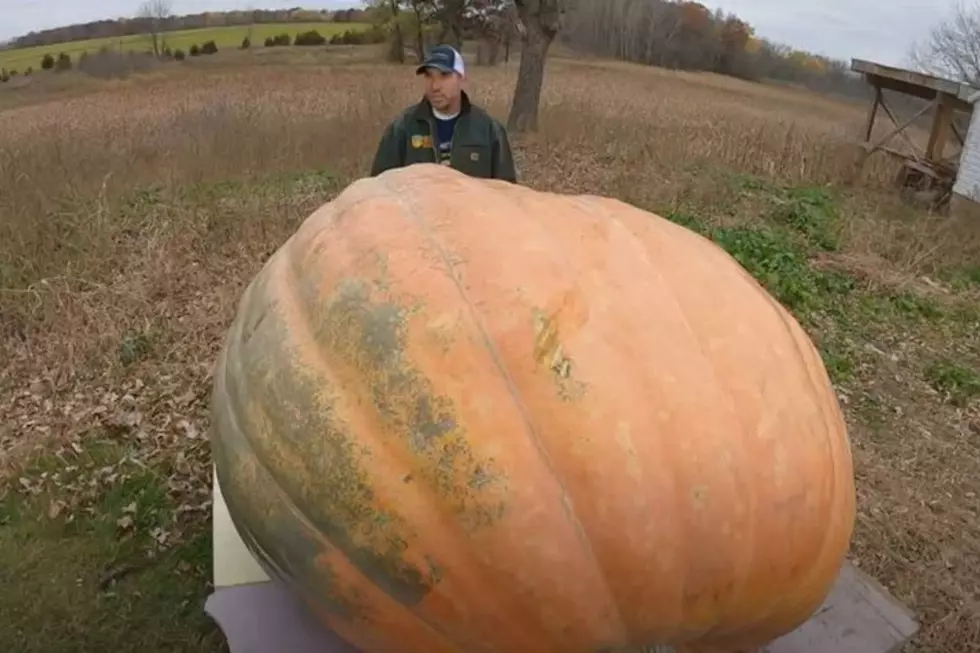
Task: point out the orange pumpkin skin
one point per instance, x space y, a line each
465 415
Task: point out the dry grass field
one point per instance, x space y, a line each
132 214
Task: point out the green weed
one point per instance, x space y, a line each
958 383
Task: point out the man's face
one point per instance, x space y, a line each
442 89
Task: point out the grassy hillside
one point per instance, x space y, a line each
136 212
225 37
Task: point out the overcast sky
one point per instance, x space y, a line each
881 30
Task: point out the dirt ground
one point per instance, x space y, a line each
134 212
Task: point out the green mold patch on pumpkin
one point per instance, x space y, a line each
285 412
319 469
282 538
290 520
312 466
367 334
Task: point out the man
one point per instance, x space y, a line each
444 127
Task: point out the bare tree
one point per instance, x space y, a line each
509 25
492 23
397 52
451 15
250 18
154 13
952 49
386 14
540 22
424 10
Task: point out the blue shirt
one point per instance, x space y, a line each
444 138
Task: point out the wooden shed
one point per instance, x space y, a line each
933 168
966 188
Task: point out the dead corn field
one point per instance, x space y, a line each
133 212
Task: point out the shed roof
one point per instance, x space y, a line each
914 83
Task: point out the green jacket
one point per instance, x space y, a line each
480 145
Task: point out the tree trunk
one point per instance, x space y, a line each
451 34
527 95
419 39
396 49
396 52
493 50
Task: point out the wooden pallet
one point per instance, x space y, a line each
859 616
258 615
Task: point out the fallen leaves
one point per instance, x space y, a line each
55 507
70 440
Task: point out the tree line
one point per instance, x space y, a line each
679 34
144 24
669 33
689 36
674 34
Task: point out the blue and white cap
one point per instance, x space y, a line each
444 58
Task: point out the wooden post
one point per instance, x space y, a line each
942 127
872 114
869 127
900 129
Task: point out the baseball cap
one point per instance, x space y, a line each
444 58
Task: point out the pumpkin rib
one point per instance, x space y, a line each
567 504
804 356
287 292
236 407
383 603
641 229
598 209
531 207
241 519
744 576
625 239
475 590
808 357
387 603
245 528
314 354
602 208
232 391
740 572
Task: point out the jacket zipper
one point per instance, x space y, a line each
452 144
433 135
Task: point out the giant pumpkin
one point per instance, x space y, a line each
461 415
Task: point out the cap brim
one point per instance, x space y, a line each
437 66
